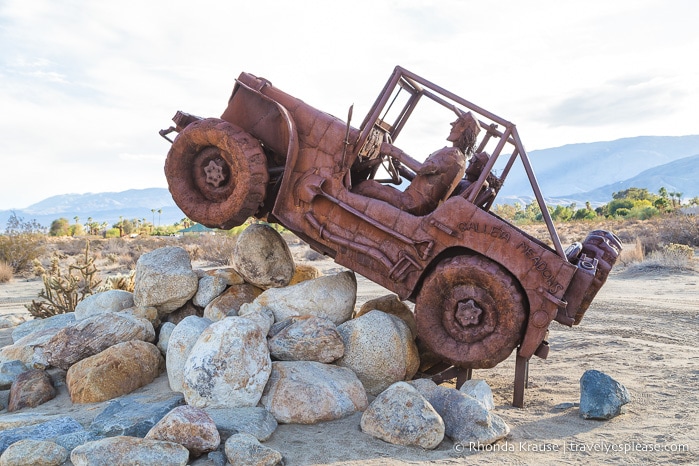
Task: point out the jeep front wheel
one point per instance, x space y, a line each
217 173
471 312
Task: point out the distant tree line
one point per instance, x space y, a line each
636 203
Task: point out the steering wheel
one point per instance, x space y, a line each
388 163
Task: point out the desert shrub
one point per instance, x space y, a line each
22 242
5 272
680 229
126 282
217 249
632 254
672 257
64 290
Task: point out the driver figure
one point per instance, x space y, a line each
436 178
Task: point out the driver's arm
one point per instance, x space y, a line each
402 157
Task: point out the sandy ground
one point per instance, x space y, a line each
641 330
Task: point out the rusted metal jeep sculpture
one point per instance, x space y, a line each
481 287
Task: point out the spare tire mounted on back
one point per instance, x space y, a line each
217 173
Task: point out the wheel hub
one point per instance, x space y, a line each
214 173
468 314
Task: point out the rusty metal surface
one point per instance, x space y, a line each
482 287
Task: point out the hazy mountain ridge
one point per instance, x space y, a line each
571 173
573 170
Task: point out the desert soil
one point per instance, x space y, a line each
641 330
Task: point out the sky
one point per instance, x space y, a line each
85 86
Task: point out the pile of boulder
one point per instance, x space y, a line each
245 348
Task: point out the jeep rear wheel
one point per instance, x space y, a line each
217 173
471 312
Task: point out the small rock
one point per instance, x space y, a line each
306 338
262 257
181 313
164 279
566 405
180 344
228 304
263 318
480 390
149 313
31 452
106 301
210 286
92 335
191 427
330 296
229 275
304 272
601 397
466 420
164 336
256 421
116 371
134 415
9 371
42 431
58 321
228 365
129 450
390 304
380 349
245 450
306 392
401 416
31 389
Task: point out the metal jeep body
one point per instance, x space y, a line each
482 288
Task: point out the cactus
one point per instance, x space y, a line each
62 292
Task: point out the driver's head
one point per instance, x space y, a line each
464 131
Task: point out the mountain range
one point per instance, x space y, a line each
572 173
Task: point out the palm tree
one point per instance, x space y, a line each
160 211
153 211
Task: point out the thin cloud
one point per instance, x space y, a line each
625 100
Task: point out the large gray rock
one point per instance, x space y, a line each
306 392
180 343
402 416
466 420
256 421
379 348
601 397
58 321
228 366
129 450
331 297
75 439
164 279
245 450
191 427
229 302
116 371
35 453
263 258
89 336
107 301
305 338
390 304
42 431
134 415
